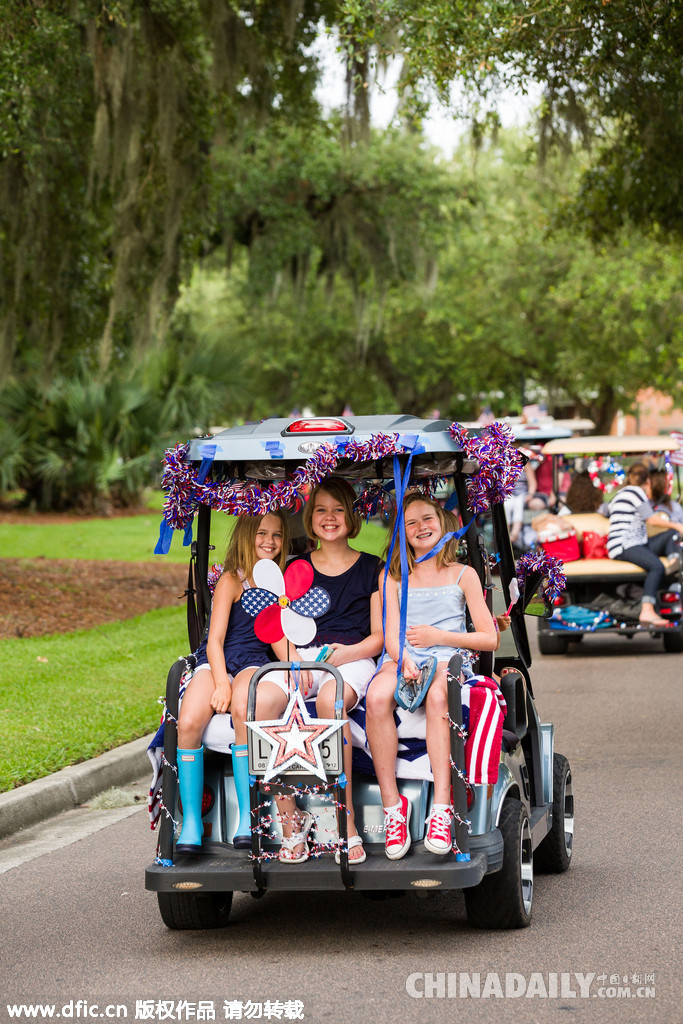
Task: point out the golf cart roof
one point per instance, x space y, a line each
273 445
538 432
609 445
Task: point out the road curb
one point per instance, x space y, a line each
66 789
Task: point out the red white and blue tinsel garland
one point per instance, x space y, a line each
500 463
555 581
499 467
184 494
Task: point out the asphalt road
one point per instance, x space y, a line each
77 923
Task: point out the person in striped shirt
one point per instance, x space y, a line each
630 513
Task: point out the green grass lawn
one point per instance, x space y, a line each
68 697
129 539
98 688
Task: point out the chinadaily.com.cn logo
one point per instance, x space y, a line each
537 984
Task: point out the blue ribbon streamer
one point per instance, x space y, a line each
451 535
163 545
208 453
401 486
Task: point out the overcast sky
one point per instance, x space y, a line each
441 128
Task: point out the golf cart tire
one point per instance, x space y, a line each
183 911
549 644
553 855
503 899
673 642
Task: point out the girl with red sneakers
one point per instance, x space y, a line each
440 590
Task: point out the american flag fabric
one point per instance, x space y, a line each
677 456
483 711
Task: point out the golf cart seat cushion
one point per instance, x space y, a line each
588 522
601 567
412 761
594 522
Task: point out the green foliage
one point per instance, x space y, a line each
108 114
517 301
300 199
69 697
610 73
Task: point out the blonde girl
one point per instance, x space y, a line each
226 659
440 591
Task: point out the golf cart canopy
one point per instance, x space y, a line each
608 445
271 449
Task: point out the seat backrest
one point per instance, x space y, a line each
513 688
591 522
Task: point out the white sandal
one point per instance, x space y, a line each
297 839
354 841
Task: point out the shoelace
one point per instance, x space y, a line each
440 825
394 822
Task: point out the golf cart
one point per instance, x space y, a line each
519 819
603 594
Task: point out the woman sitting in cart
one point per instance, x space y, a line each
630 513
439 592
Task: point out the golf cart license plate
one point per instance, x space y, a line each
260 753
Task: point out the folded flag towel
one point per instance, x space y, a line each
483 711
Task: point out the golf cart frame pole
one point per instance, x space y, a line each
462 838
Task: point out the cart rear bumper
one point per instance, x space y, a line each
222 869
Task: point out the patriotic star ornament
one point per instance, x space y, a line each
285 605
295 740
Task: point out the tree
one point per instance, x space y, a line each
517 298
610 73
108 116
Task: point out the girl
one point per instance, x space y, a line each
439 589
227 657
351 628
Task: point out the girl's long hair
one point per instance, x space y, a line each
241 553
449 552
660 487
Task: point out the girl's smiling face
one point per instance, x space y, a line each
328 520
423 526
269 537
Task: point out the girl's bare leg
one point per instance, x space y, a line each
324 707
438 736
195 710
381 731
271 701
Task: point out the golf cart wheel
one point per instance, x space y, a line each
183 910
503 899
554 854
673 642
548 643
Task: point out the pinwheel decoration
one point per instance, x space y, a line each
285 605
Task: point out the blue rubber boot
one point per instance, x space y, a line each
240 769
191 782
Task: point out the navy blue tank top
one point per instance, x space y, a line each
242 648
348 620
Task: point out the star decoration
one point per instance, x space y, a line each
295 739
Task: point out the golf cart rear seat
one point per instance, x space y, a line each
590 568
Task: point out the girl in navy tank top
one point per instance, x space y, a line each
226 658
352 632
